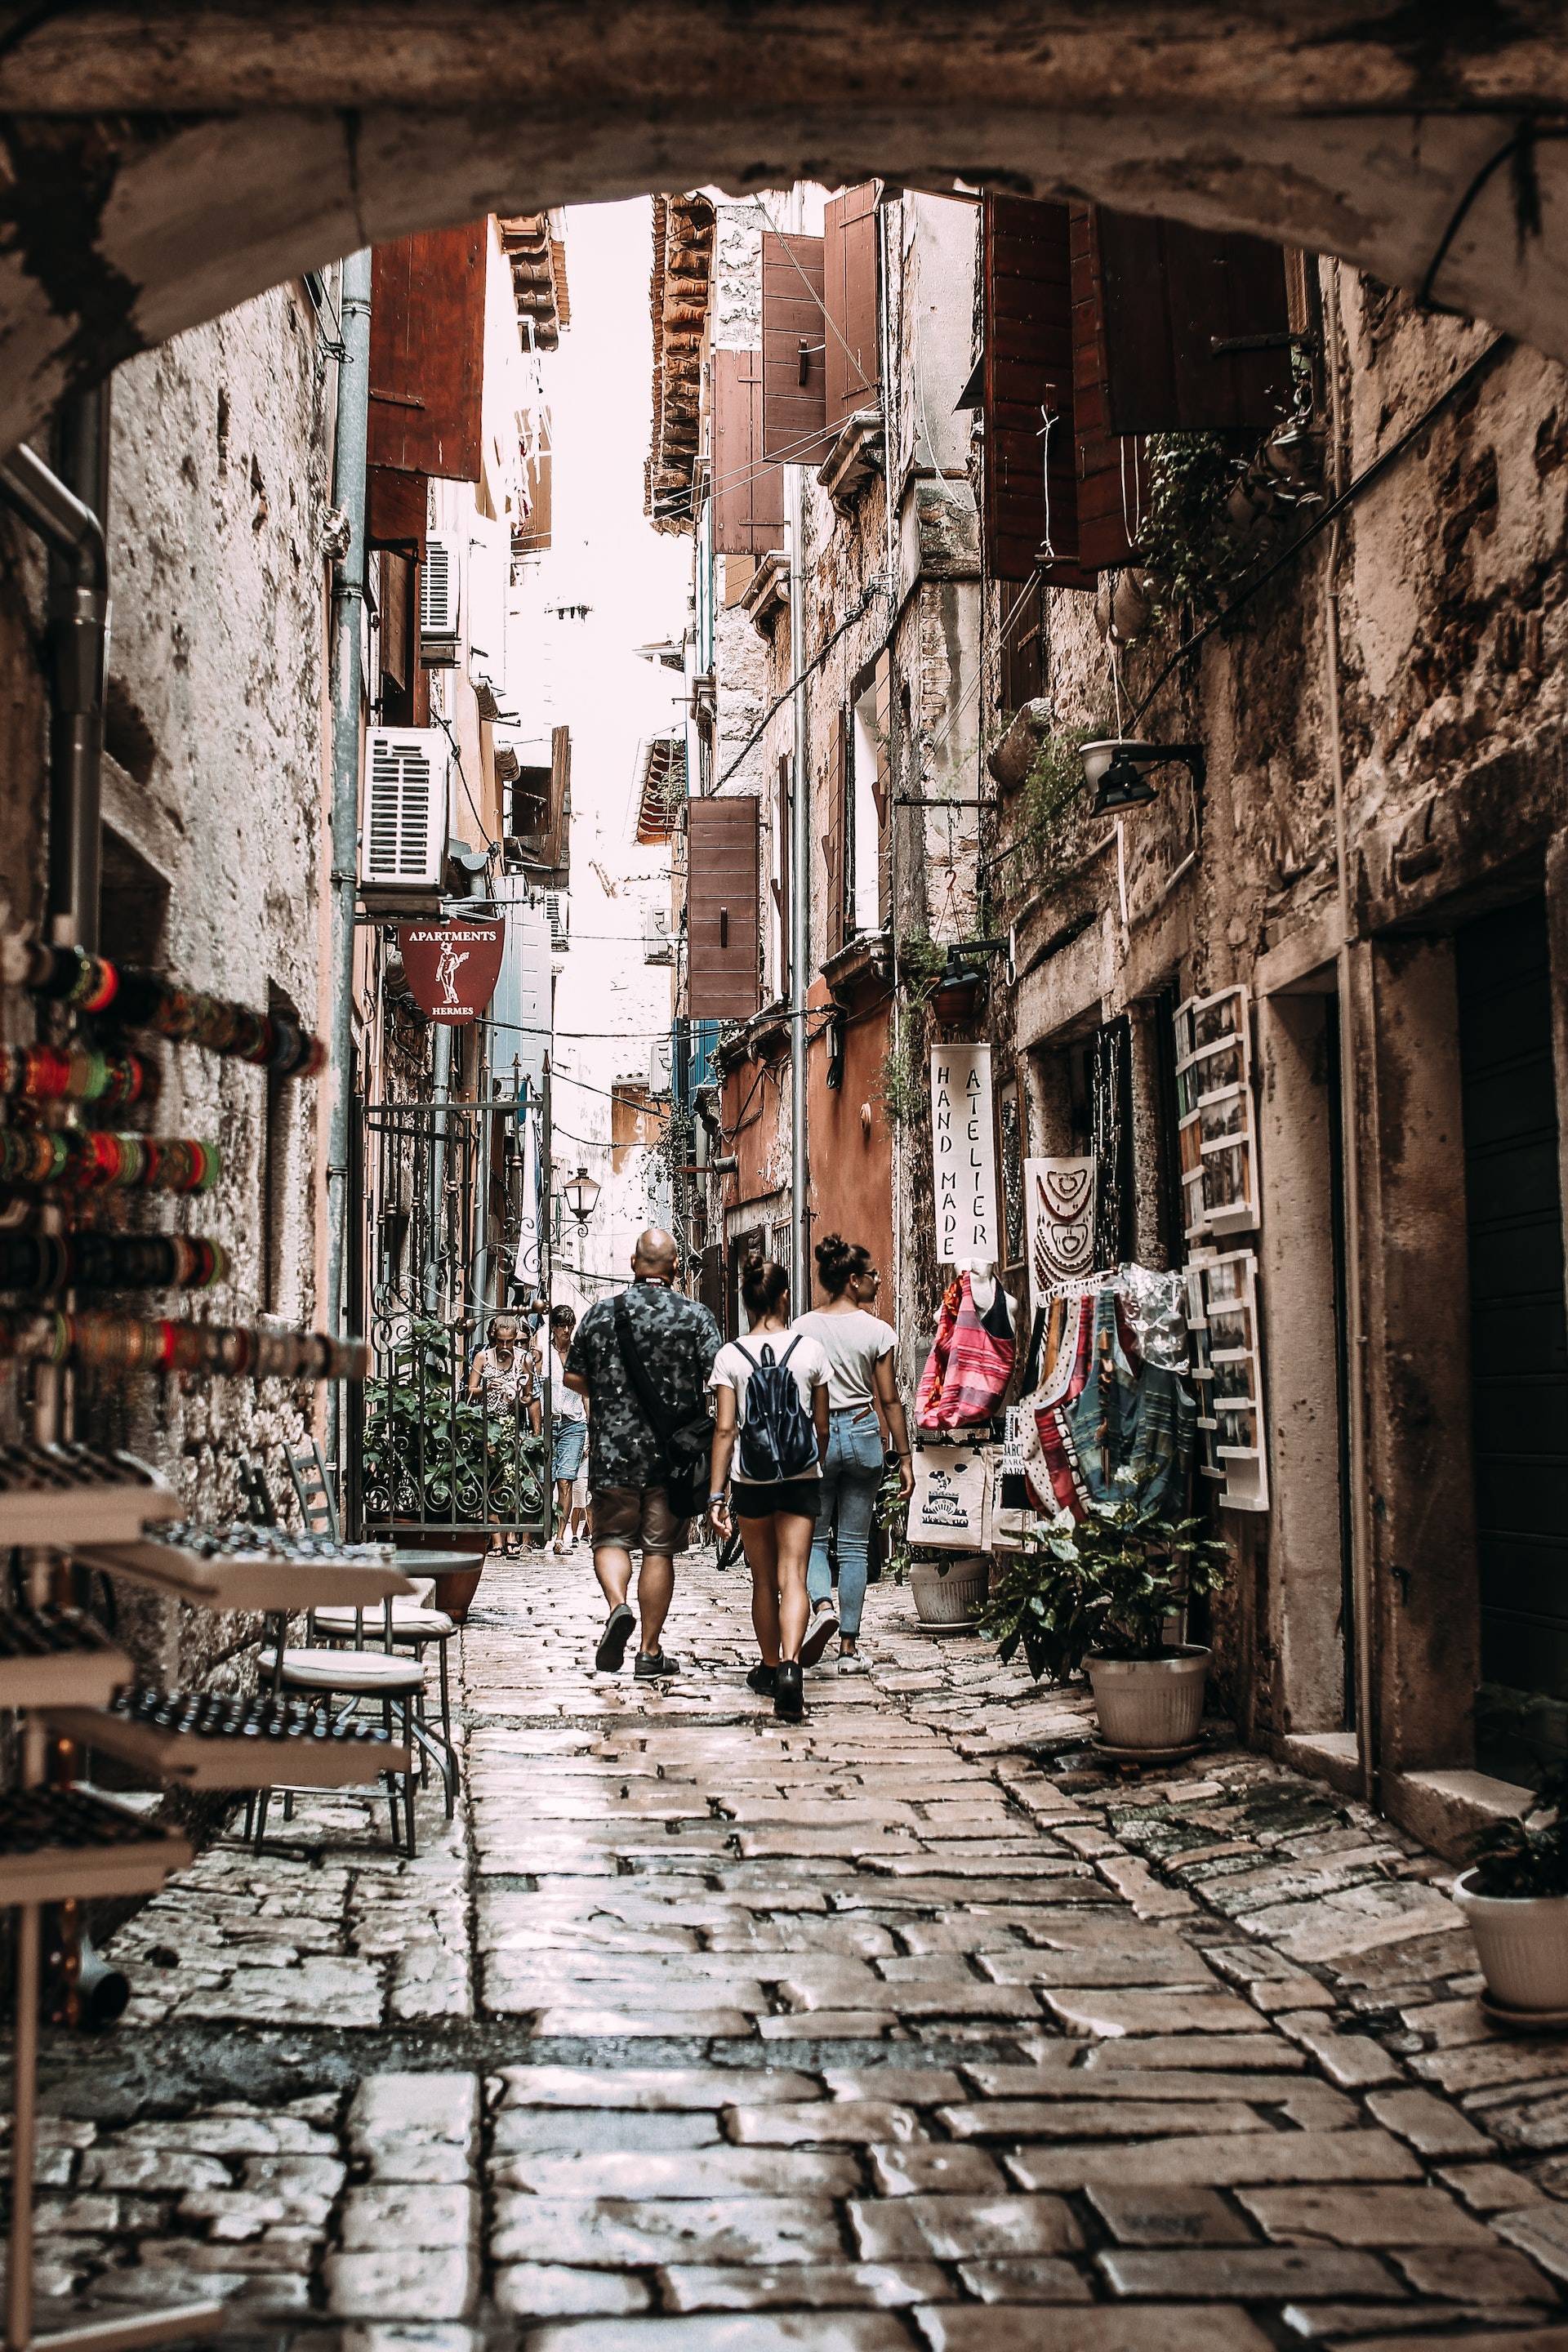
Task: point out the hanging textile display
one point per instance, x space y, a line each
963 1156
1058 1201
131 1341
971 1362
1107 1421
949 1509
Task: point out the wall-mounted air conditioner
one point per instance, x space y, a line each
658 945
440 602
403 836
558 913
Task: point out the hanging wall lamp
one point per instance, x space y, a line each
581 1195
1114 770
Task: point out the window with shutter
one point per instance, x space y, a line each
427 352
1169 294
849 293
837 844
721 909
1026 392
882 719
748 492
794 381
532 534
1113 480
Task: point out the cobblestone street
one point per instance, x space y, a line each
907 2027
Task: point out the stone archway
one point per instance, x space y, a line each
165 160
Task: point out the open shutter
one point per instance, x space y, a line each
748 494
836 838
1170 292
794 381
882 785
397 508
721 909
849 293
1112 481
1030 509
532 534
780 880
427 352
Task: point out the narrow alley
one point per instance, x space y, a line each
896 2029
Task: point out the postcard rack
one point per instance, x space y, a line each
67 1683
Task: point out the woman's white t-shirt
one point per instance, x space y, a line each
854 1345
738 1360
565 1404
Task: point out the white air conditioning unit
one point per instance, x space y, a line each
440 602
661 1066
658 945
403 837
558 915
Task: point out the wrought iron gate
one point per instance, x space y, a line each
437 1207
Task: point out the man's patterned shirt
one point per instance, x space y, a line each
677 1340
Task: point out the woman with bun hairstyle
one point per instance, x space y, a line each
862 1398
770 1434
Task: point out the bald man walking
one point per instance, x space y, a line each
672 1342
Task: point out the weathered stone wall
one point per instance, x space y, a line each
1448 581
214 814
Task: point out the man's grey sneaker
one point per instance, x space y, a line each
611 1655
762 1679
789 1698
655 1669
850 1661
823 1626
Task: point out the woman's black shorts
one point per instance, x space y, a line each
799 1497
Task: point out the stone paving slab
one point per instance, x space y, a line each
910 2026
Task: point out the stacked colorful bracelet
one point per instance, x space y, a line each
77 1074
129 1342
41 1265
149 1000
97 1161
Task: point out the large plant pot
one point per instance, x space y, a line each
1151 1702
949 1597
1522 1941
455 1587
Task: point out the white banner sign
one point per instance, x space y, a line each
963 1151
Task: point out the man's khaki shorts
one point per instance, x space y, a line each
637 1517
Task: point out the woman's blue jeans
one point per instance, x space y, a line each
850 1477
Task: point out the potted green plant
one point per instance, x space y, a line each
1515 1899
1102 1591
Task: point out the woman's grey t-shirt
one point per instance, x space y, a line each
854 1345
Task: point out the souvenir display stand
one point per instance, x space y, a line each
66 1683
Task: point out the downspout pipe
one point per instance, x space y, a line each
349 477
78 654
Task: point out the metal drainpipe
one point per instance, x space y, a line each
891 504
78 646
348 465
1368 1726
800 878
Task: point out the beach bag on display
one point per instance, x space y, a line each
777 1440
971 1362
950 1509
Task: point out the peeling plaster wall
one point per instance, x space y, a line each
215 782
1451 578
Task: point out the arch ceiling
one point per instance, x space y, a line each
160 162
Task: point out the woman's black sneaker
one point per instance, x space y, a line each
762 1680
789 1692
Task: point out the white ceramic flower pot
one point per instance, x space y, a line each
1522 1941
1150 1702
950 1598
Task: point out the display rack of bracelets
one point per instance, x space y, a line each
79 1142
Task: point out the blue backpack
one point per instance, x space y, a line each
777 1440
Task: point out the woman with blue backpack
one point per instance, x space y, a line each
770 1434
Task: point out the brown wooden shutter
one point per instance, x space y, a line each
882 708
721 909
748 493
794 381
397 510
535 534
1112 487
1030 475
427 352
1169 292
849 293
781 877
